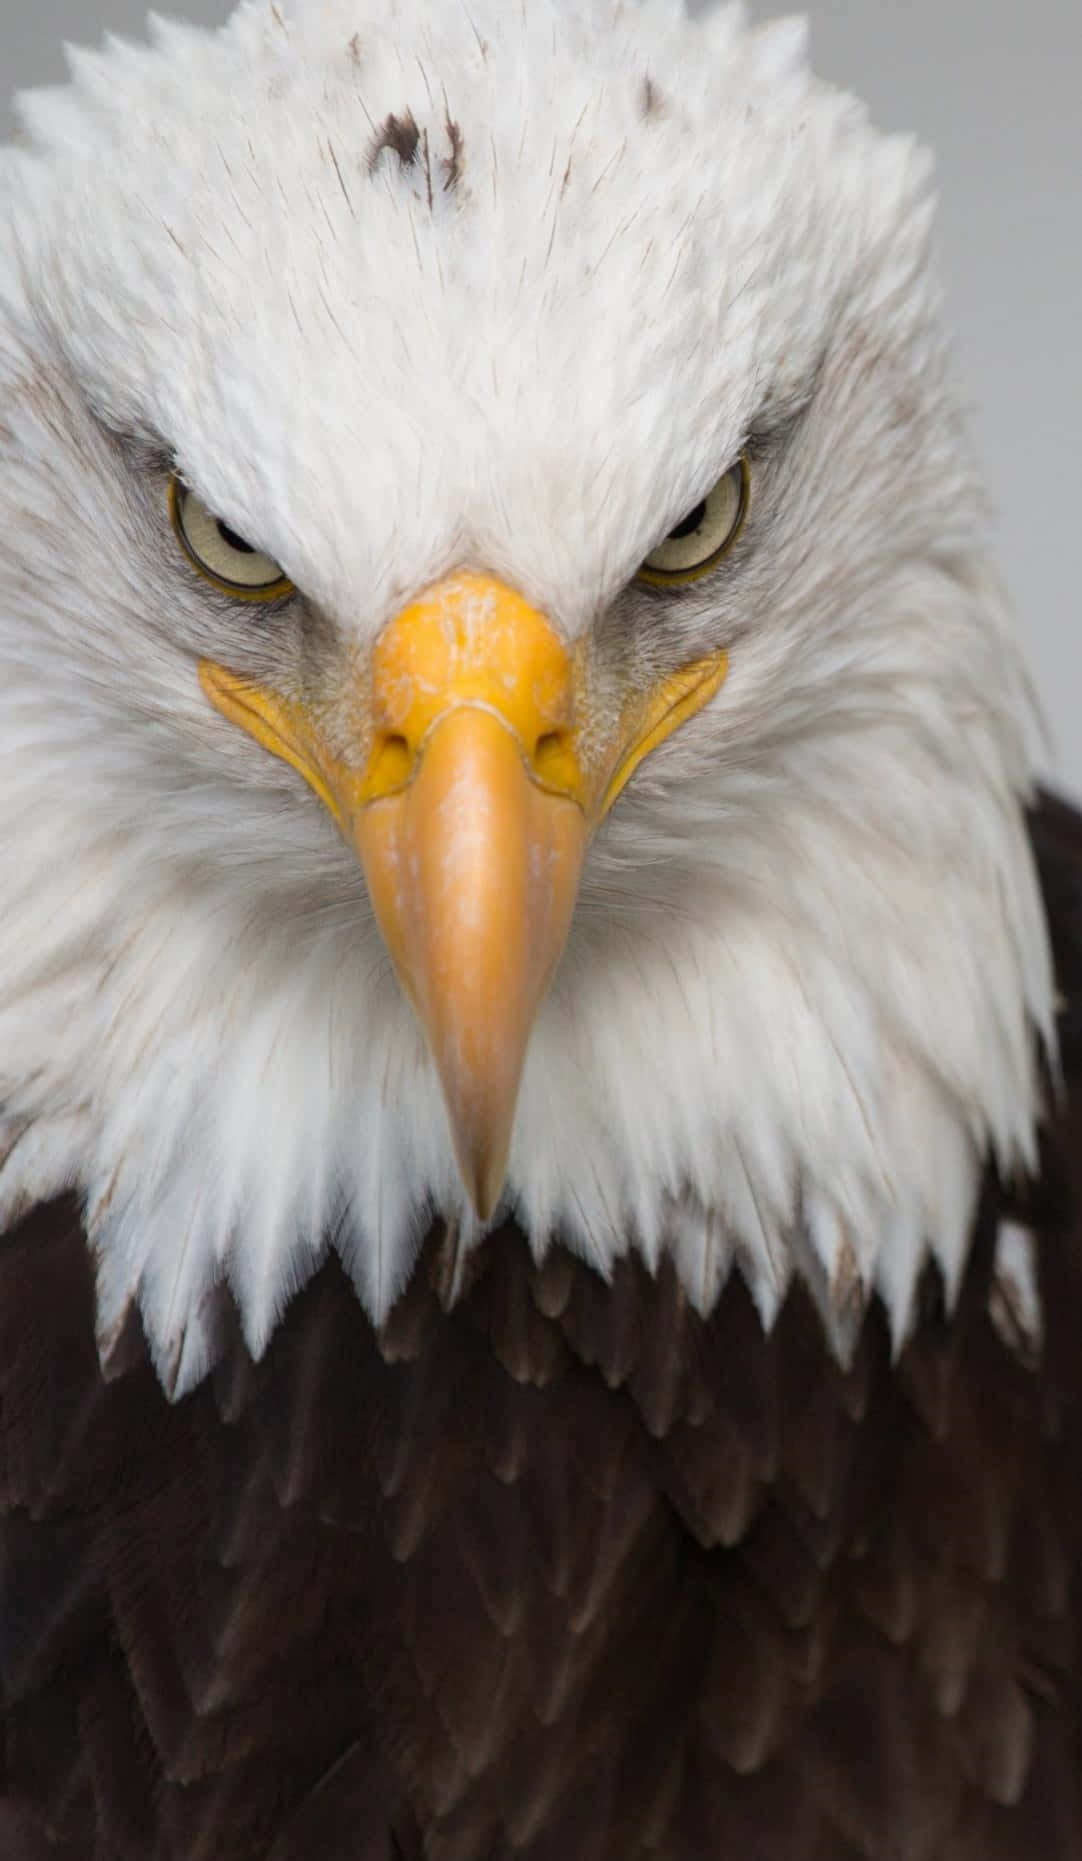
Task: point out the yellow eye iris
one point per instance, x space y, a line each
706 534
219 555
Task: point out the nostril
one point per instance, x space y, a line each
553 757
392 763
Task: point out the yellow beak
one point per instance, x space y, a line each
462 780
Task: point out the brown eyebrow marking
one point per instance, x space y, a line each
401 135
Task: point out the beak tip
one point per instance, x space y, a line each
483 1178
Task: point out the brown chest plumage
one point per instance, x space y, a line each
562 1573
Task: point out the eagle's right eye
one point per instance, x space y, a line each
219 555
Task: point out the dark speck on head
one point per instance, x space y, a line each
400 134
452 164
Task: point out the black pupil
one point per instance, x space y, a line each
235 542
691 523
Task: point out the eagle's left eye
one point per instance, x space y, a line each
219 555
706 534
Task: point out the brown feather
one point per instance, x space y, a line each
554 1568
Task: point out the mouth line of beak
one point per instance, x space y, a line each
278 726
679 697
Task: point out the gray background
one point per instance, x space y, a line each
996 87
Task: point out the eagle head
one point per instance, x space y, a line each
505 709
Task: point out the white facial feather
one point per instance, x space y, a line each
808 975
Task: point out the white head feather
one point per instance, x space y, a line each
808 974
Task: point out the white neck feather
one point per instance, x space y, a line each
811 1080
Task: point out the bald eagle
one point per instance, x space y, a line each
540 1003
